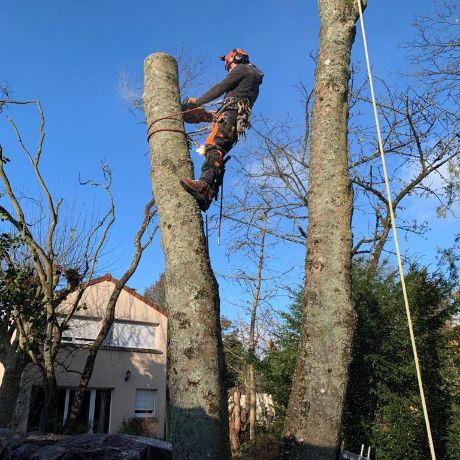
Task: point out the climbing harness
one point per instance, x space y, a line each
244 117
244 110
395 237
197 114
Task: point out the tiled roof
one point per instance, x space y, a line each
133 292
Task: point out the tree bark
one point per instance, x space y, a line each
13 363
252 396
315 406
235 422
48 417
198 395
252 393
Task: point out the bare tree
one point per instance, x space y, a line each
157 291
435 50
109 316
420 146
62 264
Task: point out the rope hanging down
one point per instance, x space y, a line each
395 237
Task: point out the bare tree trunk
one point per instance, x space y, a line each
235 422
48 417
198 395
252 336
109 317
315 406
14 363
252 396
379 245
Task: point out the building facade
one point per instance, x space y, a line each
129 378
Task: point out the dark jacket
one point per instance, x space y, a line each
242 82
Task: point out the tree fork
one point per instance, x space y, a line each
199 400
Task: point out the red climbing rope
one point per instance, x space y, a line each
172 117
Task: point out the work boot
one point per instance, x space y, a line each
200 190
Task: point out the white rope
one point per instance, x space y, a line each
395 237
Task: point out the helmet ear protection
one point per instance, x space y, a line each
240 56
236 56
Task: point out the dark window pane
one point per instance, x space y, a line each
102 411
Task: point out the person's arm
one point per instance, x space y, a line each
227 84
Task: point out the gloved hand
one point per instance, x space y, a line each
189 103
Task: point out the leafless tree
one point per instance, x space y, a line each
109 315
420 147
435 49
157 291
63 264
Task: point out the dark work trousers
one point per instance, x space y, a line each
222 138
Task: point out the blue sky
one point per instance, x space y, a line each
70 54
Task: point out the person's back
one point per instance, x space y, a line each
242 81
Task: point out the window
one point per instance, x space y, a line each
95 416
81 330
130 335
145 403
124 334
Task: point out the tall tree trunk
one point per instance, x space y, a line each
252 394
315 406
198 395
13 363
235 422
48 417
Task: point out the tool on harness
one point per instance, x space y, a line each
243 121
244 110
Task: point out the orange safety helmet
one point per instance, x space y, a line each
235 56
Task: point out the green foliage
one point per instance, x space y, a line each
453 435
266 447
383 402
277 369
18 286
278 366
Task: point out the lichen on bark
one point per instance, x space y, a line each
315 406
199 410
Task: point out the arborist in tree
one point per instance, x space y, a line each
241 88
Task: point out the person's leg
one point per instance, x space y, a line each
219 142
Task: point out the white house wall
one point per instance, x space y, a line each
147 368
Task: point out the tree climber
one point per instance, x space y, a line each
241 88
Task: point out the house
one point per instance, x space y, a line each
129 378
